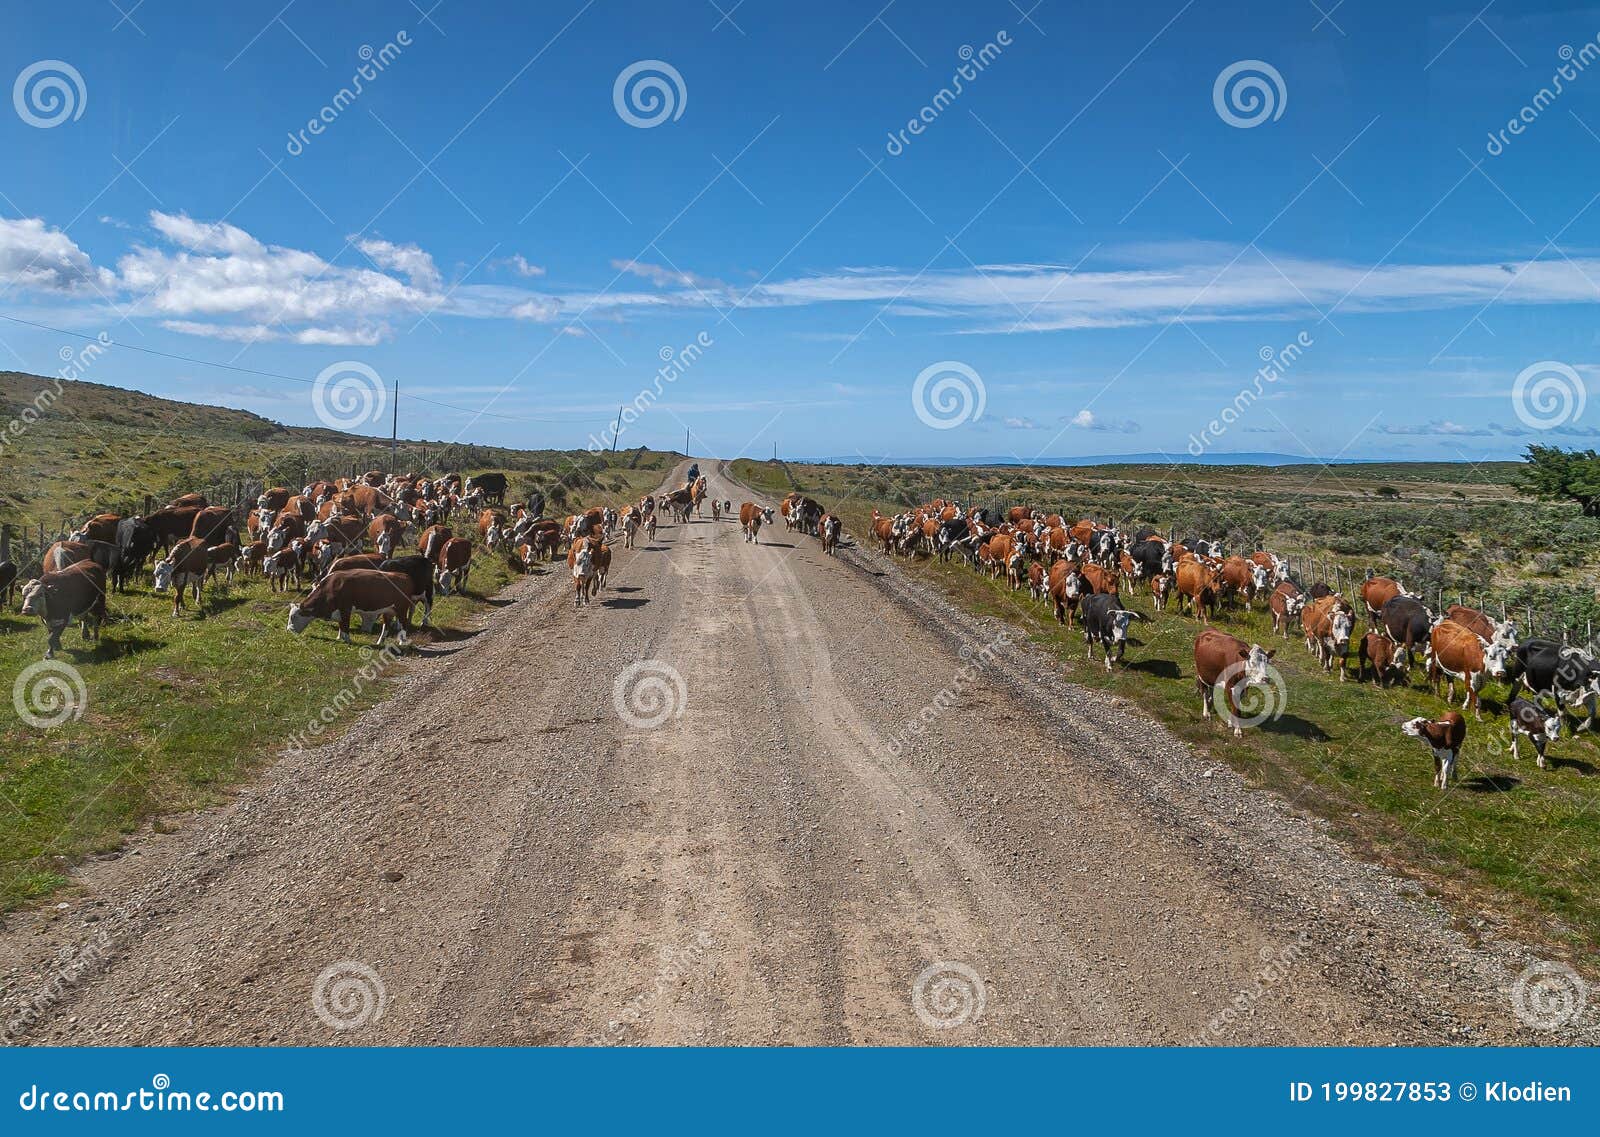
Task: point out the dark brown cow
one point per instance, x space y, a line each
1226 660
100 527
172 524
432 540
221 558
274 499
214 525
1377 650
58 598
189 501
364 593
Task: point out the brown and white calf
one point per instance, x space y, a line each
1444 737
751 518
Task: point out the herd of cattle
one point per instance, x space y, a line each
318 539
1083 570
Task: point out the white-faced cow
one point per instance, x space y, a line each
364 593
1227 661
1443 736
58 598
1455 653
751 518
1535 723
1105 622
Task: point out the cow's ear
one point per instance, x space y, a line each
1272 653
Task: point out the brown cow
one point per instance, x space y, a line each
752 517
183 567
1444 737
491 527
173 523
274 498
100 527
432 539
1328 622
580 562
189 501
883 530
1495 631
1242 578
214 525
1100 580
1376 591
828 530
1066 587
1227 660
1198 584
455 562
58 598
1285 604
1378 650
221 558
365 593
1455 652
252 557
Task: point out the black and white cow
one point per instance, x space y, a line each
1567 676
1536 723
1105 622
1150 559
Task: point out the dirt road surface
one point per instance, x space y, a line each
695 812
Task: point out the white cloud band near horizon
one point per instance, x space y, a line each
218 281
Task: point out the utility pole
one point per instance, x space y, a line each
616 432
394 429
685 442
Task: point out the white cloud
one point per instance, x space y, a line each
408 259
1088 420
34 256
520 265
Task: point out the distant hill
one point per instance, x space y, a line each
1150 458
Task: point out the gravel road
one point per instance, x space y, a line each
698 812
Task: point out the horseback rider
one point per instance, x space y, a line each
694 471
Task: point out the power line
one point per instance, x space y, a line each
289 378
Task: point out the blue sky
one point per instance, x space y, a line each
1078 238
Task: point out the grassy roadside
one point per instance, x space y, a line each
1511 844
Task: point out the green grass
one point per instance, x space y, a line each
180 709
1510 839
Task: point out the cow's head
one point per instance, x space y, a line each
317 530
1494 659
1294 605
1412 728
299 619
1120 619
163 574
1257 663
1258 577
33 598
386 544
1343 622
1505 632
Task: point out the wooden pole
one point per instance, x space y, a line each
394 427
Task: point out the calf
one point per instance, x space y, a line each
455 563
58 598
1376 649
1285 604
1444 737
752 517
1105 622
184 567
364 593
580 561
828 528
1536 723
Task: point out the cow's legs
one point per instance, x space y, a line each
344 626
